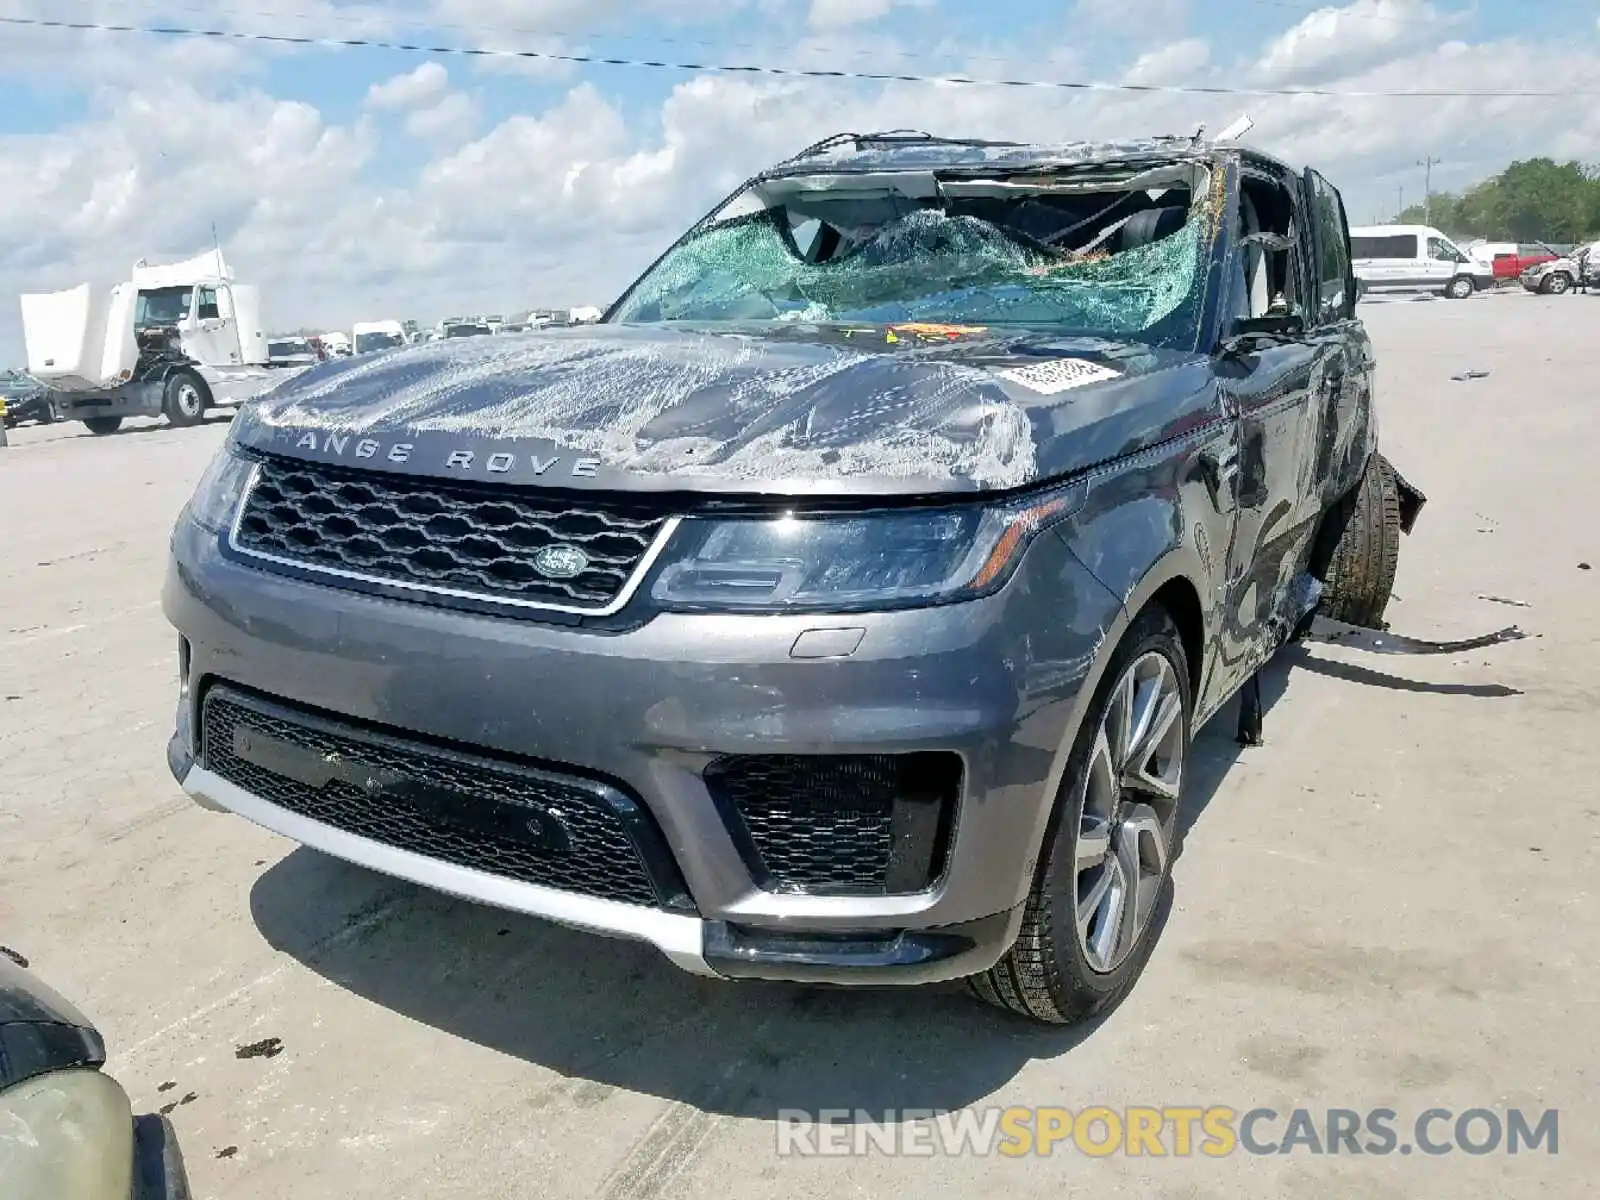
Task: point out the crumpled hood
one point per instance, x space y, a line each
773 409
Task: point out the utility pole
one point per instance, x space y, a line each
1427 165
1400 200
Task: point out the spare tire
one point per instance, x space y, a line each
1360 574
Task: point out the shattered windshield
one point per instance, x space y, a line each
1123 264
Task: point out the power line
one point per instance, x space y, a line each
402 21
789 72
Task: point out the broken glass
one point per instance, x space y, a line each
927 264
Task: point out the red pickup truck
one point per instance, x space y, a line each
1528 254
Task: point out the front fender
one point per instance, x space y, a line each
1157 517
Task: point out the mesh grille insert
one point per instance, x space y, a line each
467 811
431 533
867 825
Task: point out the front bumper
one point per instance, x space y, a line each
129 400
997 682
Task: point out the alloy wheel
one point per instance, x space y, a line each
1126 818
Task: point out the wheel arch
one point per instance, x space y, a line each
193 371
1170 584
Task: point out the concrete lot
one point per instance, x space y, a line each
1390 904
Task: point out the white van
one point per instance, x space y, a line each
1414 258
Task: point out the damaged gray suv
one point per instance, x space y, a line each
840 608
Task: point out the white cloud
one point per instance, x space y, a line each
835 14
452 119
1175 63
1137 18
1332 42
420 88
829 14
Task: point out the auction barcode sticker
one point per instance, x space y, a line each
1058 375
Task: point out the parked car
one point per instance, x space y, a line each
293 352
372 336
23 399
839 614
1415 258
1557 276
462 329
67 1129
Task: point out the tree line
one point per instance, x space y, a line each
1537 199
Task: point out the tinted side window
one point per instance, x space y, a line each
1394 245
1332 241
207 309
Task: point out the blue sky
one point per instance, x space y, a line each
482 184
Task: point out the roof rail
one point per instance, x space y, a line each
888 137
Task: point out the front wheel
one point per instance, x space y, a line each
100 426
1557 284
1088 925
1461 288
186 399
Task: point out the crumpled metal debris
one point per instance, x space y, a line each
1326 629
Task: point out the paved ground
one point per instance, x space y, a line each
1392 903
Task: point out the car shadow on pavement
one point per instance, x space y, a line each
161 425
604 1014
1216 748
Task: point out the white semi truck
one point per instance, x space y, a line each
172 341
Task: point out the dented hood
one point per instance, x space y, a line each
763 409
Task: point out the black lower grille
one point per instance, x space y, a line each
864 825
526 824
496 544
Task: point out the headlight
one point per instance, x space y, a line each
216 496
834 563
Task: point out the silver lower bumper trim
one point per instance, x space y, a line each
680 938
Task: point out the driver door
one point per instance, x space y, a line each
211 334
1278 387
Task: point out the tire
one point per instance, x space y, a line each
1360 574
158 1168
186 399
1558 284
1054 974
100 426
1461 288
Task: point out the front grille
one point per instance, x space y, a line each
863 825
475 812
444 537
